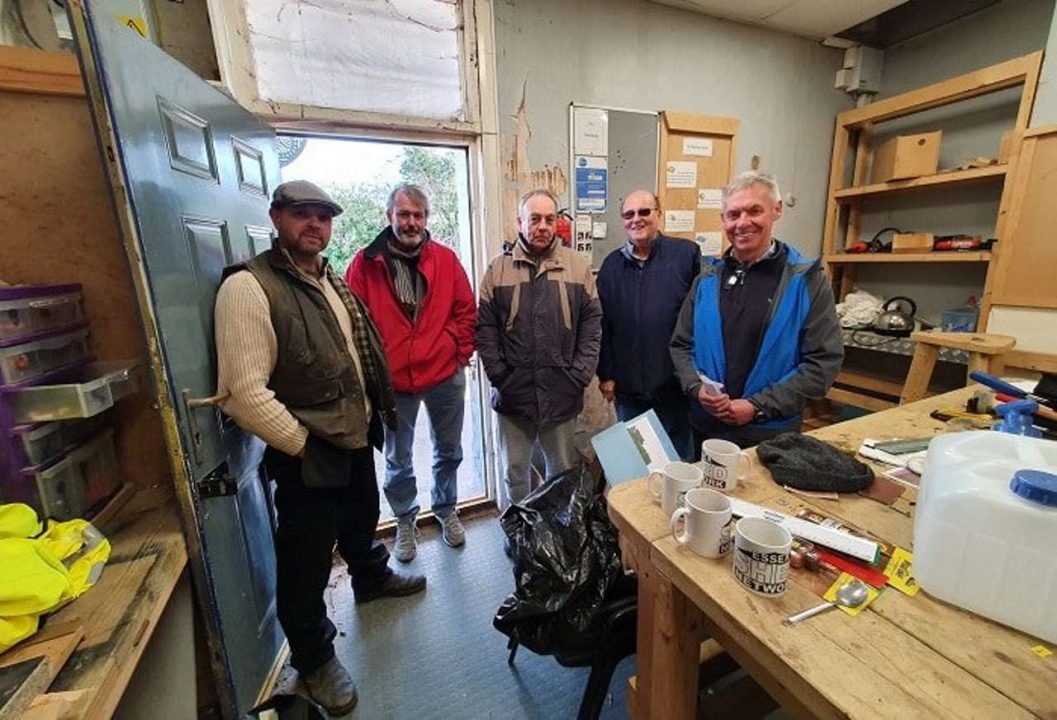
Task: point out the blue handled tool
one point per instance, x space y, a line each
1003 387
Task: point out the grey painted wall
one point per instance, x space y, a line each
1003 31
1046 100
644 56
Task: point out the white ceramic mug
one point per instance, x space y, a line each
671 485
706 523
761 556
721 459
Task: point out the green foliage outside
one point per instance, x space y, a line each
364 203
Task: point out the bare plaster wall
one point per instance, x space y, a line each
639 55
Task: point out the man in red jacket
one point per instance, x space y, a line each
420 299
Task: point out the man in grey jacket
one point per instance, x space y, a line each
758 334
539 328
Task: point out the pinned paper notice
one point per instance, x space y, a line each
582 242
590 131
598 231
697 146
709 199
711 242
681 174
678 221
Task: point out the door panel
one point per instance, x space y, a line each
192 172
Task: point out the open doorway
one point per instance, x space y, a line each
359 175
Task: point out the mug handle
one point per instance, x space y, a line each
679 514
649 483
748 465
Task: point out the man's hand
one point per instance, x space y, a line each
608 388
301 452
713 403
739 412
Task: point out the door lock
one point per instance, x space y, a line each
218 483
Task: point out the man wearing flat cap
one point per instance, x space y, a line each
303 369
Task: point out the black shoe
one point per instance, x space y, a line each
394 585
331 687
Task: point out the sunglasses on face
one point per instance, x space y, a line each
641 212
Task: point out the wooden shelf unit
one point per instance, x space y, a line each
943 179
853 152
943 257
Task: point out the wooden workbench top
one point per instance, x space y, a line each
903 657
119 613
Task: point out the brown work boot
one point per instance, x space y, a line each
331 686
394 585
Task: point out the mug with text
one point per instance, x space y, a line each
721 459
706 520
761 556
671 485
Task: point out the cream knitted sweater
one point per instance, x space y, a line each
247 350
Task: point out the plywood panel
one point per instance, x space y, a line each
1027 254
683 132
58 226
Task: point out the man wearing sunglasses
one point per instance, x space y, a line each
758 335
641 287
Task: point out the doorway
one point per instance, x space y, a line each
359 175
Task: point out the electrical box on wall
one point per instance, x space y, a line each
862 70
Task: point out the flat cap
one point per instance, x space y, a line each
302 192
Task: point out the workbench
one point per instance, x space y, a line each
901 657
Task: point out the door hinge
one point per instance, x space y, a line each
218 483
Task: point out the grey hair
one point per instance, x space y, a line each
414 193
533 193
753 177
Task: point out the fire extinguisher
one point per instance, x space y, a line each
564 227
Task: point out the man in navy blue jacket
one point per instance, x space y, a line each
760 322
641 287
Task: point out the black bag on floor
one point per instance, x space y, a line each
566 565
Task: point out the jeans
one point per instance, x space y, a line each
516 439
673 410
445 403
310 520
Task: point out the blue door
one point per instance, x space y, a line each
191 173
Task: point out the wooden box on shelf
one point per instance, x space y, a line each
906 156
918 242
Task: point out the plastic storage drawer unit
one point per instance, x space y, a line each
29 310
25 362
71 486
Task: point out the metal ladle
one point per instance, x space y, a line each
851 594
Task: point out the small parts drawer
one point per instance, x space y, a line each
30 310
81 480
25 362
105 383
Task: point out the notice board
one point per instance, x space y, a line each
696 161
612 152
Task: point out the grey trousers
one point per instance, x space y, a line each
516 439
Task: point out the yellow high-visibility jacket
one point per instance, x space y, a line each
43 569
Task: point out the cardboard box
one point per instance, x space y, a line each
906 156
912 242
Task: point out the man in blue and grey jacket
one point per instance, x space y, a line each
758 334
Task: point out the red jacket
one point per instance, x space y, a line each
429 350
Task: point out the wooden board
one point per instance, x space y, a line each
27 669
39 72
1027 253
120 612
714 171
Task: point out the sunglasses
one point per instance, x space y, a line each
641 212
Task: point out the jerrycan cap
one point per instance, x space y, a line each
1035 485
